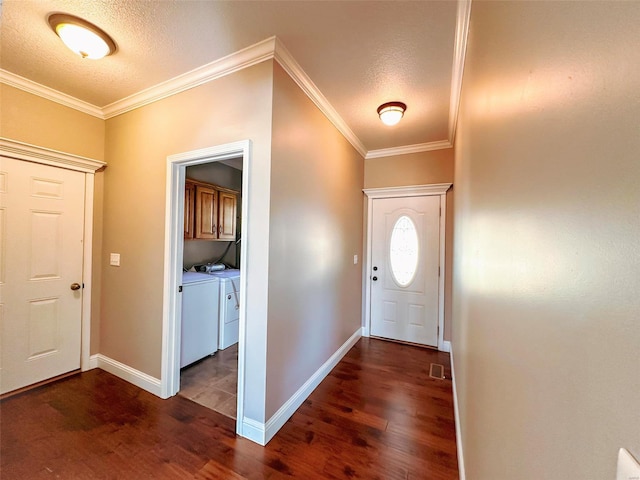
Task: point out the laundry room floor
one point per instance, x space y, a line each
213 382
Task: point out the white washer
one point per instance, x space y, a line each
229 307
199 326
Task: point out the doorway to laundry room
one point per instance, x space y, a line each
205 262
211 284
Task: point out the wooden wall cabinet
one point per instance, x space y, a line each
209 211
206 212
227 206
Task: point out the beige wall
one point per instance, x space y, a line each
412 169
315 289
422 168
547 279
232 108
38 121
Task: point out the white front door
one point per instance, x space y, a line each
41 235
405 253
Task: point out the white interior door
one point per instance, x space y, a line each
405 253
41 235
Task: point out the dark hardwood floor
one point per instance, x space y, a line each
378 415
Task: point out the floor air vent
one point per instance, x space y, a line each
436 371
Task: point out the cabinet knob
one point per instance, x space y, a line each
374 279
228 297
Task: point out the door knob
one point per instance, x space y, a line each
374 279
75 286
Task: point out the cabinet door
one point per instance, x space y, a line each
227 216
189 191
206 212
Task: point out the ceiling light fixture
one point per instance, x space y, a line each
82 37
391 112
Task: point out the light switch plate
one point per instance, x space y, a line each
355 259
114 260
628 467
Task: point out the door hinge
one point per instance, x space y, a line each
438 271
180 289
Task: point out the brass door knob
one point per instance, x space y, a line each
75 286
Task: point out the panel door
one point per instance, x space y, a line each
405 269
41 235
206 212
227 216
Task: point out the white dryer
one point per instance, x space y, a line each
229 307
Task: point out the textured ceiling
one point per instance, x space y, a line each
359 53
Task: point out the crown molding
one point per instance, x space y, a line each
39 90
411 191
459 51
295 71
47 156
239 60
417 148
270 48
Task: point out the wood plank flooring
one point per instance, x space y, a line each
378 415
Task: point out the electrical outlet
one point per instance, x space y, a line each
628 467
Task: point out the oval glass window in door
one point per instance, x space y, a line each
404 251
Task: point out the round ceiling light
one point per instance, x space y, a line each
391 112
82 37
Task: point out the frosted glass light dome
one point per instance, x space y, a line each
391 112
82 37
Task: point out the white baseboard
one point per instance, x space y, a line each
456 414
93 362
261 433
127 373
446 346
254 431
285 412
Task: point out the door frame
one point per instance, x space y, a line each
54 158
372 194
174 247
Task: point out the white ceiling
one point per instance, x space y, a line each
359 54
